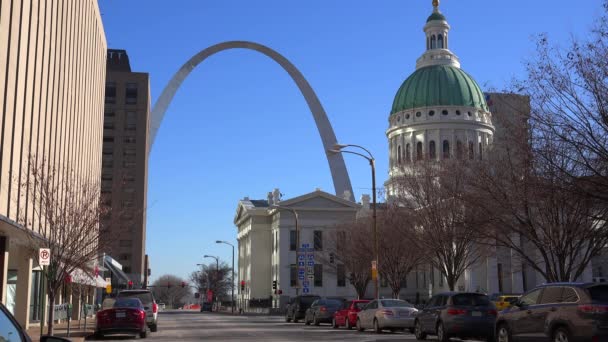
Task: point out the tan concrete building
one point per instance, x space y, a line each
52 72
125 161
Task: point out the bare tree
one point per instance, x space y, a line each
568 87
169 290
400 251
209 277
66 210
351 246
433 192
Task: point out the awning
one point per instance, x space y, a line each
81 277
100 282
116 269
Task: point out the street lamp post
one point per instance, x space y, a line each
232 294
217 271
372 162
295 215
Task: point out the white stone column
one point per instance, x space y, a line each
492 272
24 287
4 255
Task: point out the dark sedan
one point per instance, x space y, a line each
125 316
322 311
457 314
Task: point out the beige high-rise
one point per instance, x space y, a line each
124 175
52 75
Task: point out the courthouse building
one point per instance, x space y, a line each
52 76
439 112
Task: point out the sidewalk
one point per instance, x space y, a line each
76 333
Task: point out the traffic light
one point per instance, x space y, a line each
274 284
183 284
130 284
242 285
331 258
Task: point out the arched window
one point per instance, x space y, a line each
440 41
431 113
445 112
399 154
480 152
446 149
433 42
459 150
432 153
471 151
408 157
419 151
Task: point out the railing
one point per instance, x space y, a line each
61 311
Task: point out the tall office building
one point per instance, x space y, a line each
52 72
124 173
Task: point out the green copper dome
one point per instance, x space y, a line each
439 85
436 16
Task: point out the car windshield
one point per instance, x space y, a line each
470 299
144 296
127 303
334 303
395 303
599 293
307 300
108 303
360 305
511 300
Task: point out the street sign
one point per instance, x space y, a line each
374 265
306 283
311 263
311 277
311 257
305 245
301 263
301 257
306 290
301 276
44 256
310 270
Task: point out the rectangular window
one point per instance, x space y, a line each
128 163
499 271
108 139
292 240
318 240
293 275
108 113
341 275
106 177
110 92
125 257
128 177
127 204
130 140
131 121
128 152
108 124
126 243
107 162
318 275
131 93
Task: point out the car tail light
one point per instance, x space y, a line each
387 312
492 312
455 312
593 309
322 309
154 308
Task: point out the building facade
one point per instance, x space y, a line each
124 175
52 74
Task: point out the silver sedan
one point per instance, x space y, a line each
391 314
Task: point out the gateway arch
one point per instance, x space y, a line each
337 166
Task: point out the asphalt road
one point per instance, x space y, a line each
195 326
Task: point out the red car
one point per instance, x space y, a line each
348 315
125 316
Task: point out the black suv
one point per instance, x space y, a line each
562 312
297 307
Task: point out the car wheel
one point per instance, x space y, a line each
347 324
420 335
503 334
377 329
287 318
334 324
412 330
295 319
359 326
561 335
154 328
98 335
306 321
441 334
315 321
143 334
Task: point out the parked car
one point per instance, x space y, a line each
126 316
381 314
347 316
147 299
457 314
207 306
322 311
296 309
10 330
563 312
505 301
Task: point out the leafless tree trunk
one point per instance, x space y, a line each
433 192
66 213
168 289
208 277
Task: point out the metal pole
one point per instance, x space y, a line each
372 163
295 214
232 280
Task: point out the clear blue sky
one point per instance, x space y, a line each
239 126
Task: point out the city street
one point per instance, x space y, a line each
195 326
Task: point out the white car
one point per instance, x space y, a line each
391 314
